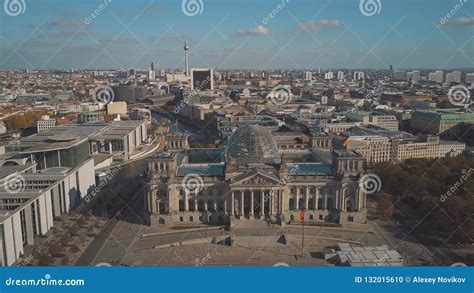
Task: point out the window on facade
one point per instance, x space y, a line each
291 204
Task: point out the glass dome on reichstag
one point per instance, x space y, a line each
252 144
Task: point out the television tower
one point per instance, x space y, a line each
186 58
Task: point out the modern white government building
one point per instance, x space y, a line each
253 179
31 199
46 175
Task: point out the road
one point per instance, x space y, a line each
126 237
124 183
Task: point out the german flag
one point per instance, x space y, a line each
301 219
345 142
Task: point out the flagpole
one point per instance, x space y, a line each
302 240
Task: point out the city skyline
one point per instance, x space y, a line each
300 35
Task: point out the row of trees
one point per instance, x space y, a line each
438 191
21 121
422 179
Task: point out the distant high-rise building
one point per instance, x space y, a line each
391 68
131 72
202 79
399 74
454 76
308 75
470 78
152 66
340 75
129 94
413 76
437 76
359 75
151 75
329 75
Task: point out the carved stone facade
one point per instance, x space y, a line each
218 193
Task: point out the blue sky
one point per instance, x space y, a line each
233 34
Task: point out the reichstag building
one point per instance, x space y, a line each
252 178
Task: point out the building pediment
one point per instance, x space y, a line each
256 178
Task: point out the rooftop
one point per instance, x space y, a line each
368 255
202 170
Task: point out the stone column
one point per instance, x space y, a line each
317 199
215 206
242 209
195 202
232 212
281 199
325 201
297 198
307 199
284 196
271 201
251 202
206 208
262 208
186 201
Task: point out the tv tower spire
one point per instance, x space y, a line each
186 57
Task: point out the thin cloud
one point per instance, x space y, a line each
258 31
317 25
156 8
461 21
64 22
